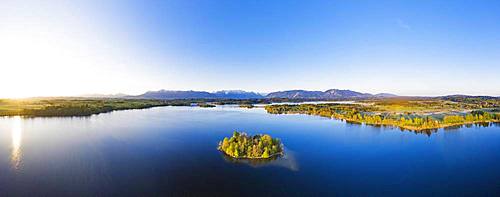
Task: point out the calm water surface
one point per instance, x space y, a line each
171 151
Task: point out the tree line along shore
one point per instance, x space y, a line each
415 119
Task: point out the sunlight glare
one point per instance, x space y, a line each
17 135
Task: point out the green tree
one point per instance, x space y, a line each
266 153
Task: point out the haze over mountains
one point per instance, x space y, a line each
223 94
239 94
332 94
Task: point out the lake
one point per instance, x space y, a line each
171 151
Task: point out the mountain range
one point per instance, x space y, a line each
239 94
329 94
223 94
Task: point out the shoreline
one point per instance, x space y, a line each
424 129
411 128
25 115
251 158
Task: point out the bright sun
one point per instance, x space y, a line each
41 62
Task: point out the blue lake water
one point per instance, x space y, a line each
171 151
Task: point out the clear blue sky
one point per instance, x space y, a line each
402 47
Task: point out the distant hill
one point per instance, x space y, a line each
385 95
224 94
119 95
462 98
329 94
296 94
335 93
172 94
236 94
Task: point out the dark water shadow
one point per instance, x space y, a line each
478 125
452 128
427 132
379 127
288 161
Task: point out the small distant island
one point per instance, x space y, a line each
244 146
206 105
246 105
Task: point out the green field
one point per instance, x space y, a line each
72 106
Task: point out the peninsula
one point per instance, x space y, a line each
414 114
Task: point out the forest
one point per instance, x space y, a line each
72 107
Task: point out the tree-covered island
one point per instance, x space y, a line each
244 146
245 105
206 105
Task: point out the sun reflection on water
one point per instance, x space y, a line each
16 154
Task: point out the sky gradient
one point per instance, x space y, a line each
421 48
